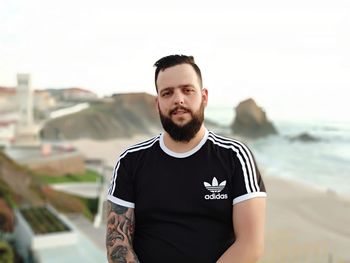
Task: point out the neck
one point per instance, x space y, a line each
181 147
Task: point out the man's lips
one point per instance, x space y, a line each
179 111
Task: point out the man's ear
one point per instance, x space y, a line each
156 102
205 96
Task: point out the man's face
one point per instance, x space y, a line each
181 101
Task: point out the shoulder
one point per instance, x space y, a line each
140 147
228 143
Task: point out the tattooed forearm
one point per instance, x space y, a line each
118 209
120 232
119 254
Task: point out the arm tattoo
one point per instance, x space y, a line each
120 233
118 209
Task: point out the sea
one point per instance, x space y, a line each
322 164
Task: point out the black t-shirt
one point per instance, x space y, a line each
183 201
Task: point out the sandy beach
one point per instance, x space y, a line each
303 224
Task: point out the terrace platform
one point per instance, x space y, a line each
45 236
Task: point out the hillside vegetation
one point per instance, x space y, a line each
21 187
17 183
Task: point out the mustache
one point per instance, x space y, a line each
179 108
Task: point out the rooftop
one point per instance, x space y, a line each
7 90
29 153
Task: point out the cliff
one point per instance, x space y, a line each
124 115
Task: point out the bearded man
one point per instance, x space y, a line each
186 195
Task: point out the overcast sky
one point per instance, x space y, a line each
292 57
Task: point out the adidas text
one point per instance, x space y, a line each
215 196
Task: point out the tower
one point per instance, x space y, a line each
26 133
25 100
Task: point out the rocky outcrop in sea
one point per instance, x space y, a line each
251 121
304 137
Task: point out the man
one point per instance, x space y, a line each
186 195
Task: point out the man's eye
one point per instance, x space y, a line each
164 94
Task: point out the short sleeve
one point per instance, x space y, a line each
247 181
121 190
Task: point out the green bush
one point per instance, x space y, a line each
91 205
42 221
88 176
6 253
6 194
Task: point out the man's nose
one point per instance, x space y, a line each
178 97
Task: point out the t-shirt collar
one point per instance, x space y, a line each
184 154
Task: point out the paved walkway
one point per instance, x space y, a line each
96 235
89 190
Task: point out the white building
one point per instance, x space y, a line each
78 94
8 100
43 100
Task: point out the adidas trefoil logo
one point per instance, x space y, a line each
215 188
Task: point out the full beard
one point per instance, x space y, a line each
186 132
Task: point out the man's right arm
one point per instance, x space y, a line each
120 234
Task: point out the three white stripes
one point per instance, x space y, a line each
245 158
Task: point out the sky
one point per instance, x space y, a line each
292 57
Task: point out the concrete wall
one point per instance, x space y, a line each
23 235
54 240
73 164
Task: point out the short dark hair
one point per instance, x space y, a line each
173 60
